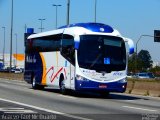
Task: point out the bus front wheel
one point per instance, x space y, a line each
62 85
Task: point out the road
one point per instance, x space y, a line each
19 101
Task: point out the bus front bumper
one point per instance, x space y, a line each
98 86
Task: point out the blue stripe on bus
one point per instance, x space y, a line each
34 66
95 86
94 27
76 45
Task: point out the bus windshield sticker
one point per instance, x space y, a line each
107 61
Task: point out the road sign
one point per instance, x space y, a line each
156 35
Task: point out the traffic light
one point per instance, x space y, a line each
156 35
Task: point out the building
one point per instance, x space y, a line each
17 60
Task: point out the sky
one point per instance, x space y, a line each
132 18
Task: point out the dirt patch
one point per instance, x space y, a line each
12 76
144 87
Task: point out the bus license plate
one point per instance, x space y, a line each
102 86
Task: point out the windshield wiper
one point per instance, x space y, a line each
97 58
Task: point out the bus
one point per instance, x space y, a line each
79 57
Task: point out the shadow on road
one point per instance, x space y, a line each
110 96
116 96
125 97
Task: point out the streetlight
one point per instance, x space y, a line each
4 46
16 48
56 12
11 36
95 12
41 28
68 8
137 48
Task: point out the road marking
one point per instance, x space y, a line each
139 108
16 110
68 97
46 110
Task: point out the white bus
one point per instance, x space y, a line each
80 57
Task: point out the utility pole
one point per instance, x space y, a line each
16 48
4 47
68 9
11 36
25 28
95 12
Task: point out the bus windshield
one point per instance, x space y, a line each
102 53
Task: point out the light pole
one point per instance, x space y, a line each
68 8
4 47
95 12
16 48
136 66
11 36
56 12
41 28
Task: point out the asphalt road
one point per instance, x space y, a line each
19 101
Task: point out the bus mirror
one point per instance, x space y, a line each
130 44
76 42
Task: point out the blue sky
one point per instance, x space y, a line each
131 18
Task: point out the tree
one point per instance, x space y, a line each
131 63
145 61
140 63
155 70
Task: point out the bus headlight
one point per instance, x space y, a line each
122 80
78 77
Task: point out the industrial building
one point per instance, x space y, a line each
17 60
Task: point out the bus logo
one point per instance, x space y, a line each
31 59
117 74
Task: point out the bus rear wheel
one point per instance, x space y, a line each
35 85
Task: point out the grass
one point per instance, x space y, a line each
12 76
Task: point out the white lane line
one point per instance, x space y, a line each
68 97
139 108
16 110
46 110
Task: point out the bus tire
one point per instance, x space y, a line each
35 85
62 85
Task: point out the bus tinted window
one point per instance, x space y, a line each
44 44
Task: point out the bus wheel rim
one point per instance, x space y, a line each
34 82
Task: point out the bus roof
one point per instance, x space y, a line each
92 27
